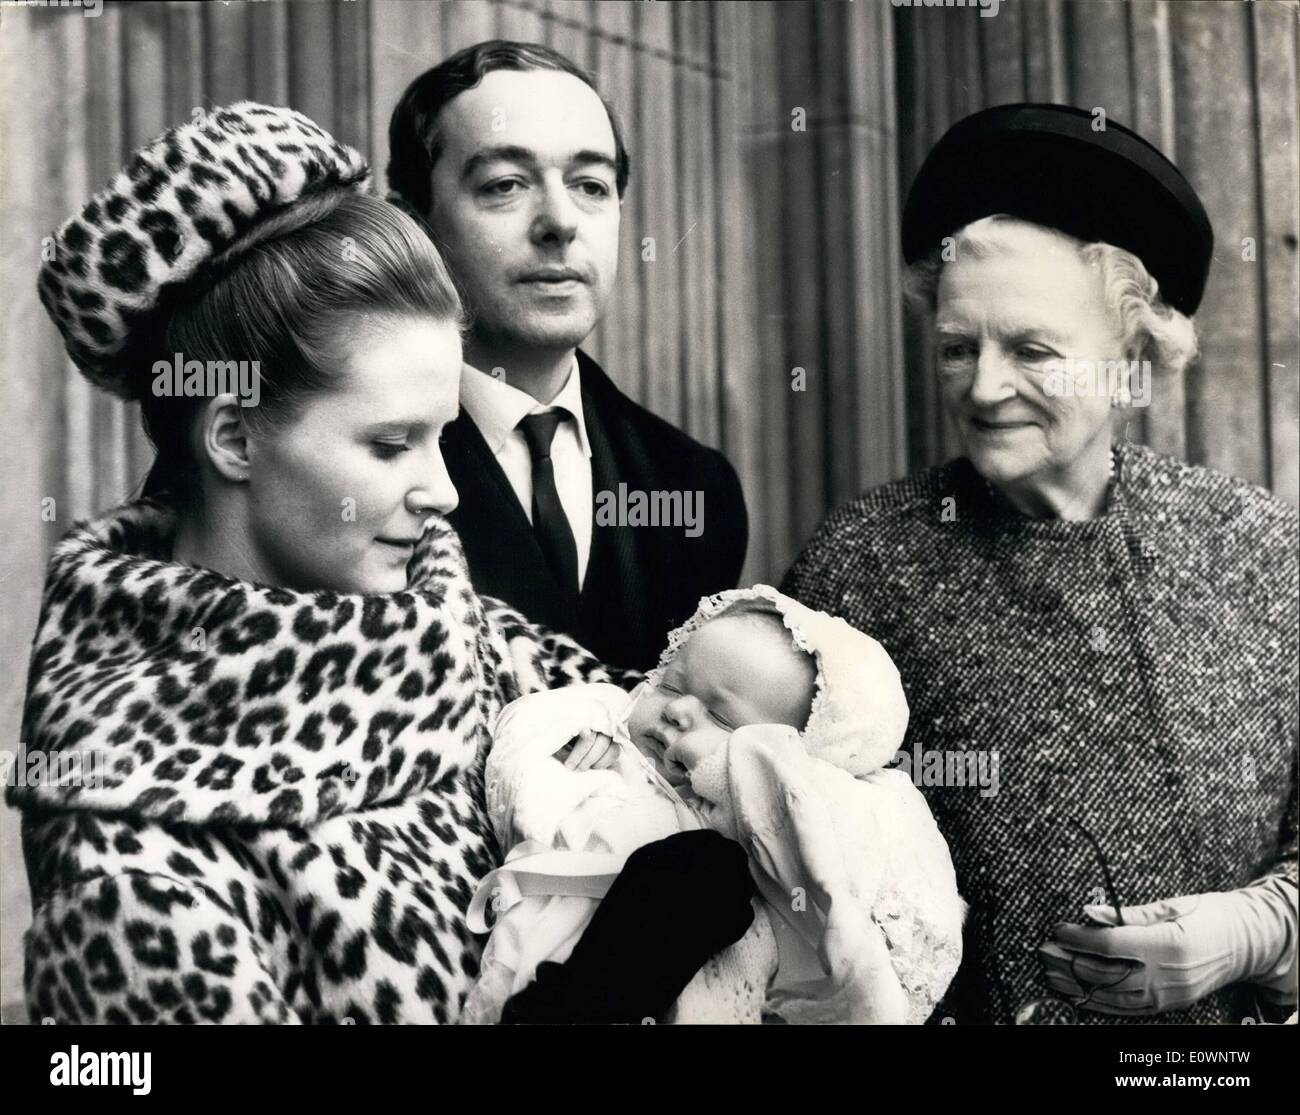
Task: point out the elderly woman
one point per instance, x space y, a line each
265 694
1117 628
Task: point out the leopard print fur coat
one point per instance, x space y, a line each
260 805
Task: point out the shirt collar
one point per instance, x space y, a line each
497 407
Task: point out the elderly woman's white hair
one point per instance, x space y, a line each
1156 331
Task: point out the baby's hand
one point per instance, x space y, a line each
589 751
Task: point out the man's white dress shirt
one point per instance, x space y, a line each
497 408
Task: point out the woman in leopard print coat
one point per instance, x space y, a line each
255 723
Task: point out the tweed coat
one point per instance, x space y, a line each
1137 672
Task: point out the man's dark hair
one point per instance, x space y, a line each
414 143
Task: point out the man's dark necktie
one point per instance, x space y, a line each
550 524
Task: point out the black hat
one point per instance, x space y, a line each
1047 164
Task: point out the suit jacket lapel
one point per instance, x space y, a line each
614 591
503 553
470 461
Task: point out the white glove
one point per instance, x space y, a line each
1172 953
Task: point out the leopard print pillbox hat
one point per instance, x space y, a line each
126 258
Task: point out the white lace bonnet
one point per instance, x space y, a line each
859 713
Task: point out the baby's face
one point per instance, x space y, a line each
733 671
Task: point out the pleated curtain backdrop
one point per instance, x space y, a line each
758 304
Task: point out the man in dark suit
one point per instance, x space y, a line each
577 506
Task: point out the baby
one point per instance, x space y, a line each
738 669
771 724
